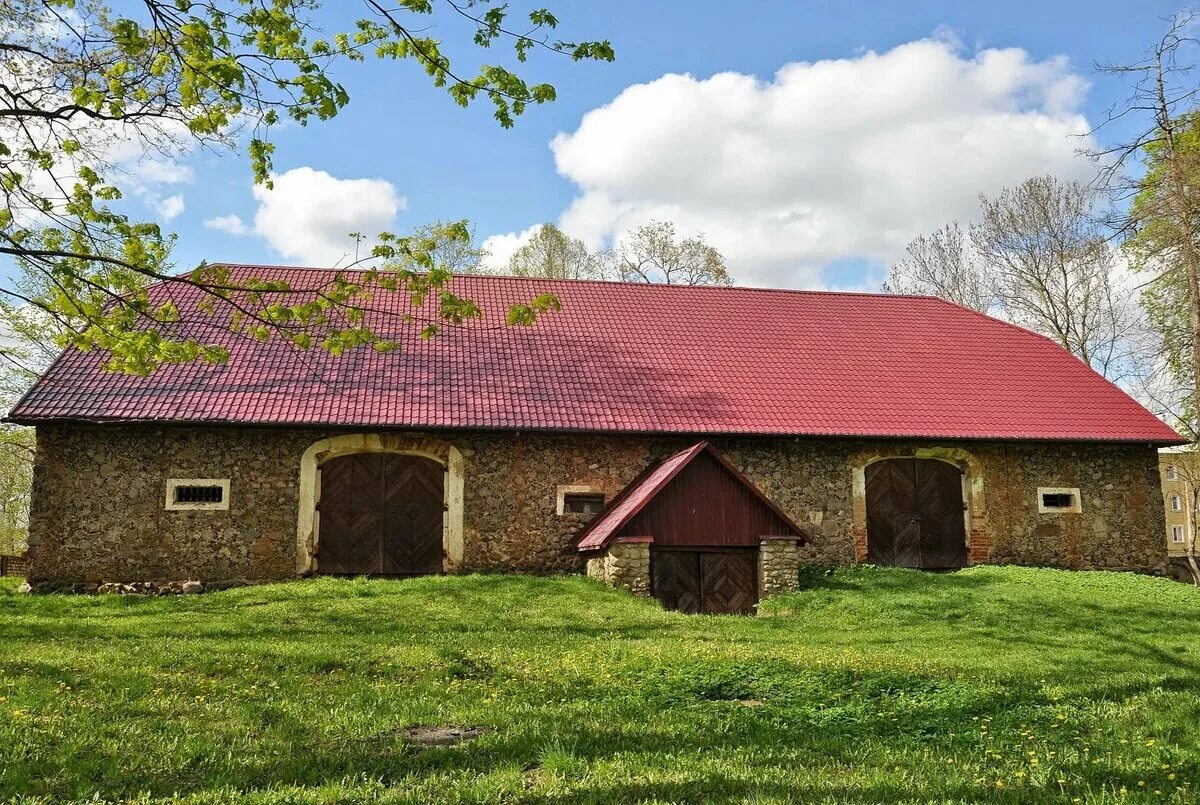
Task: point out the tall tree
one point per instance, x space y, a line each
1036 257
1055 271
28 344
944 264
78 78
1157 170
654 253
553 254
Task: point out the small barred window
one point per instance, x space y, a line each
588 505
191 494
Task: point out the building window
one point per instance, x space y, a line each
1176 533
1176 503
585 505
1172 472
581 501
1058 500
197 494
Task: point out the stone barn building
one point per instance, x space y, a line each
691 443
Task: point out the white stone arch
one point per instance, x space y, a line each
974 509
444 453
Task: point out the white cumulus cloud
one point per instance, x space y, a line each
500 248
309 214
161 172
229 224
844 159
170 207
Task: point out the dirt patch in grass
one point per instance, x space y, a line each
441 736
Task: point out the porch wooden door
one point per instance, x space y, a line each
915 514
380 514
714 581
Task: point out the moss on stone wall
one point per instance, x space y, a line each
98 512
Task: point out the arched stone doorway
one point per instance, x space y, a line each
395 478
915 514
380 514
972 507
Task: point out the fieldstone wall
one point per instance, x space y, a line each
98 516
778 566
626 563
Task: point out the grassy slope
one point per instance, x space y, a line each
1002 684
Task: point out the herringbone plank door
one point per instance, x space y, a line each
729 582
676 579
412 516
940 504
893 533
915 514
380 514
350 515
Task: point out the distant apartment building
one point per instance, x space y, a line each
1179 468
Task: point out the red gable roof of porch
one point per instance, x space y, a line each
634 497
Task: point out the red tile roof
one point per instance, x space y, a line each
634 358
634 497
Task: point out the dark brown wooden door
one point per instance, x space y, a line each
380 514
915 514
714 582
676 580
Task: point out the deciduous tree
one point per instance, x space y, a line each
553 254
654 253
1036 256
456 255
78 77
944 264
1055 271
1152 173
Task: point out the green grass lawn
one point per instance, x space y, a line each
871 685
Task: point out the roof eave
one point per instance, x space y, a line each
34 421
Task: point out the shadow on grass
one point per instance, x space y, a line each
665 715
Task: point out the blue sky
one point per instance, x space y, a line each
848 194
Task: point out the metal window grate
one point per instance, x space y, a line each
588 505
199 494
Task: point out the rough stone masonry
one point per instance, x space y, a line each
98 514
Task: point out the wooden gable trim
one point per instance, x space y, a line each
684 458
633 486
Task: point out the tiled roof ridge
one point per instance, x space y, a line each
604 282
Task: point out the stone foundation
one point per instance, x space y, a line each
98 516
144 588
626 564
778 566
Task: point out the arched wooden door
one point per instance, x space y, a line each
380 514
915 514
